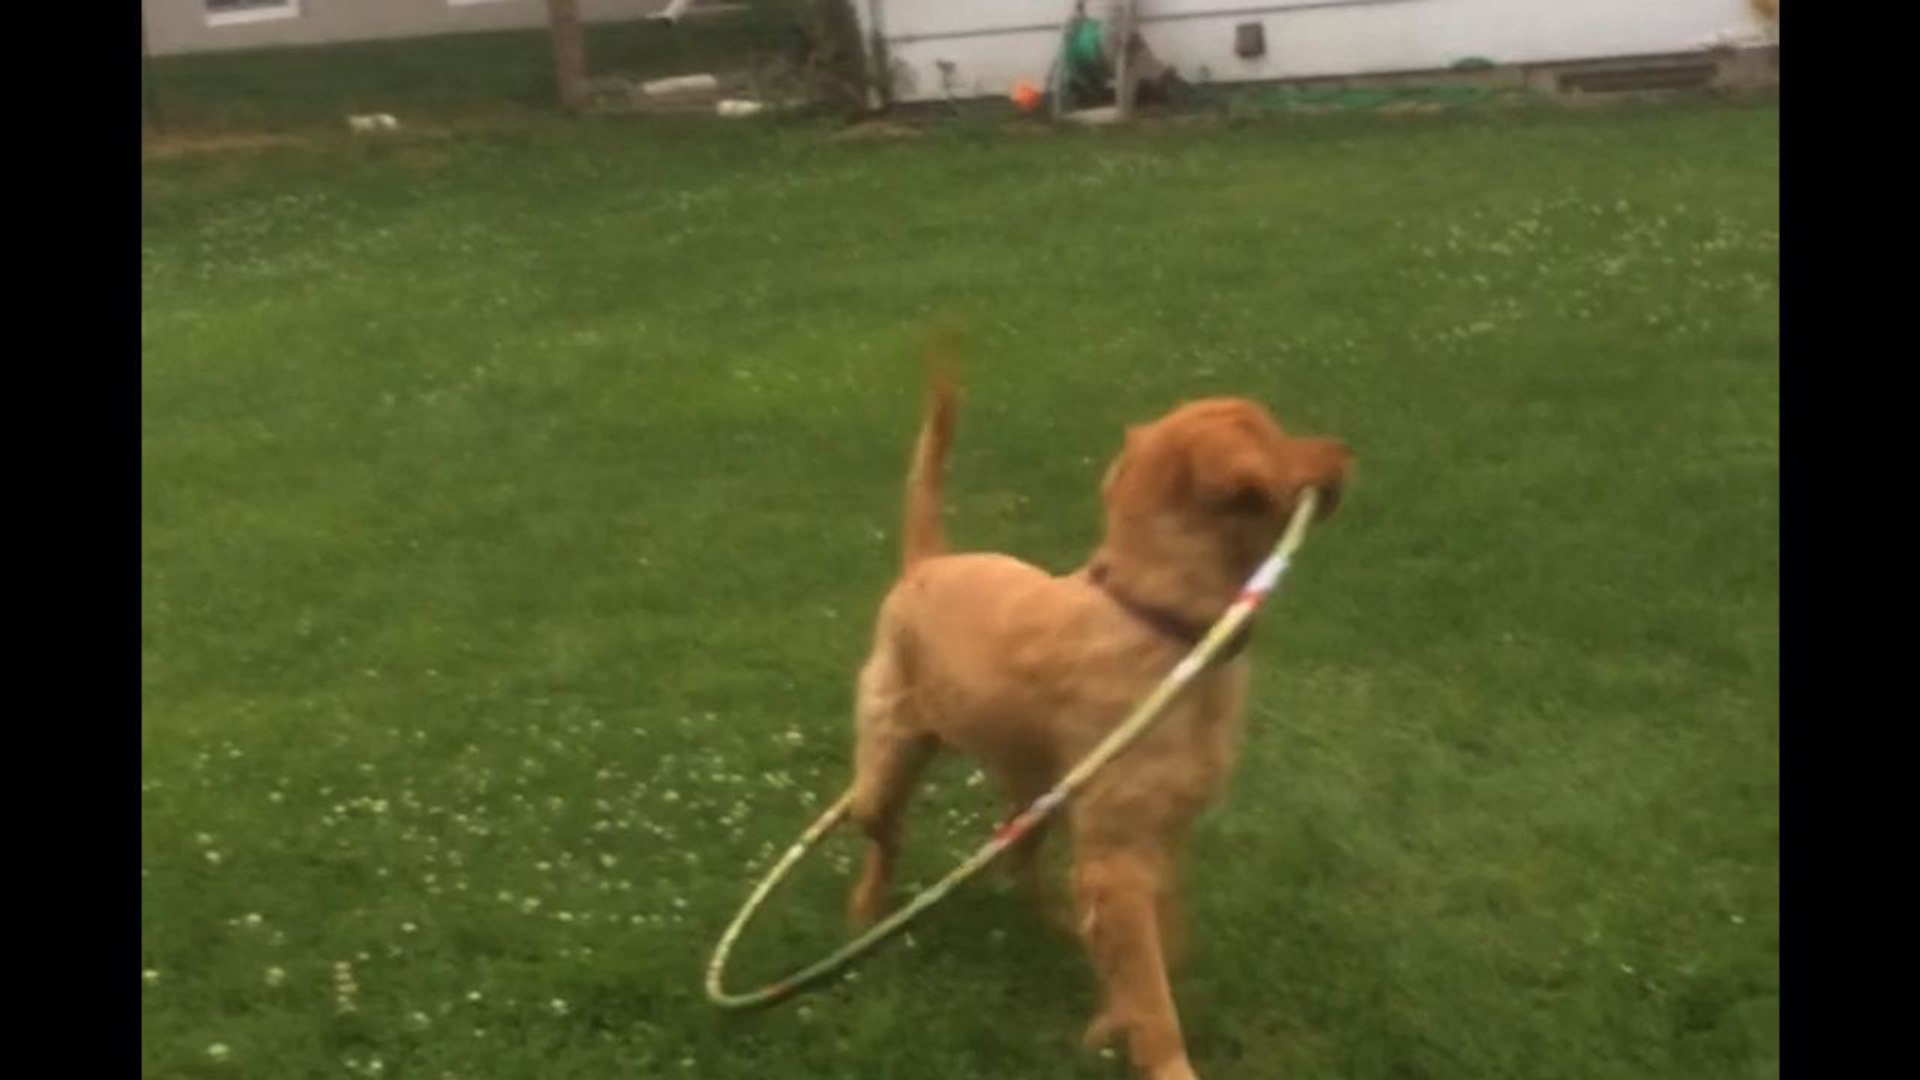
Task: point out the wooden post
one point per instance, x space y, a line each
569 52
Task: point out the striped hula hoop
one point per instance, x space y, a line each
1258 588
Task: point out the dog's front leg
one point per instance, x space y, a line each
1118 896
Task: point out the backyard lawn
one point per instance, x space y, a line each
515 504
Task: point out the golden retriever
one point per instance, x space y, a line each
1025 672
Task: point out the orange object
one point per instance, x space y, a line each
1026 97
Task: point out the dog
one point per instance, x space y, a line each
1024 672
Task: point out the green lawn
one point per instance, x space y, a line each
515 505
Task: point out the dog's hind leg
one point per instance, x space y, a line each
888 759
1023 859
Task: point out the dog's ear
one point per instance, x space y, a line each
1149 473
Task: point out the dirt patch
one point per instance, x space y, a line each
163 147
877 129
173 145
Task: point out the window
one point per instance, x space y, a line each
231 12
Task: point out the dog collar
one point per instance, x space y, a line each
1167 623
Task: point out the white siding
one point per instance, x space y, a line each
993 43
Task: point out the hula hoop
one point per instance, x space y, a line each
1257 589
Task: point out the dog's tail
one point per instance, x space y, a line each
924 537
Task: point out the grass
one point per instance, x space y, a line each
514 506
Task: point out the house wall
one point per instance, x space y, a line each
993 43
183 26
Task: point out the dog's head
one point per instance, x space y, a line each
1220 467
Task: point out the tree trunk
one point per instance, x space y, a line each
149 91
1125 80
569 52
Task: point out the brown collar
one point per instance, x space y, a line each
1167 623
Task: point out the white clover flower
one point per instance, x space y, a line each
150 976
219 1052
276 976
